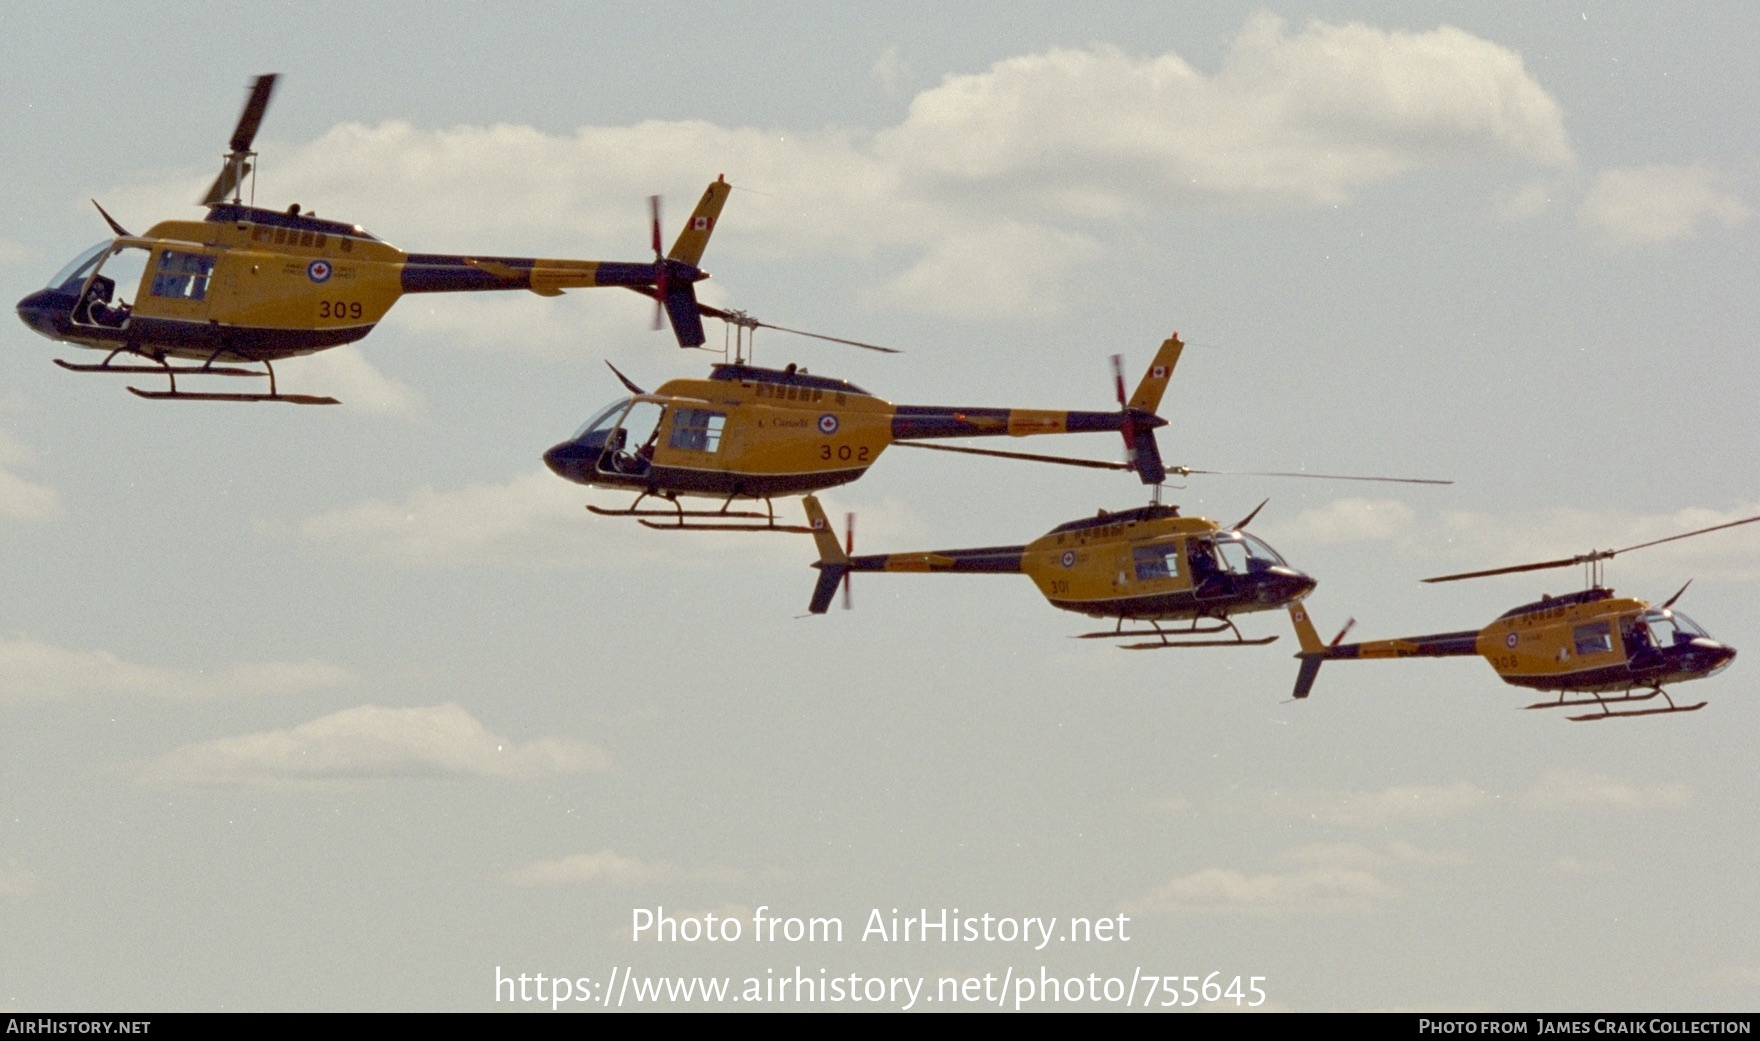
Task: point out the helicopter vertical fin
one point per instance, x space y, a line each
830 550
1154 384
693 239
833 562
1310 640
1313 651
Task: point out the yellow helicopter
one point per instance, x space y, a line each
753 433
1147 564
252 286
1591 642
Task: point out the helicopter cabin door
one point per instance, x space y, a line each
180 284
1158 567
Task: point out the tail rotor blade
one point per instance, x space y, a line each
1129 426
849 549
660 286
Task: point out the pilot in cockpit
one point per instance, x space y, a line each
97 304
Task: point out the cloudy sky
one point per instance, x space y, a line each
346 708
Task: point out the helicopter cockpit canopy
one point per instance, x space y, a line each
1245 554
73 276
1669 628
605 418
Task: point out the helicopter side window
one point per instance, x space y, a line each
182 276
638 426
697 430
117 268
1153 562
1235 555
1594 638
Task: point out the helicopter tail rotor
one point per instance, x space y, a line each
1137 423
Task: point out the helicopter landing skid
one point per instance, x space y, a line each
191 395
1177 638
158 370
633 512
681 526
1607 713
678 515
171 371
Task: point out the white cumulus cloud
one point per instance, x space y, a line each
20 499
1395 804
33 670
1656 204
372 741
1567 790
18 880
985 194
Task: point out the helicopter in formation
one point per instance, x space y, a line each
1147 565
754 433
251 286
1591 642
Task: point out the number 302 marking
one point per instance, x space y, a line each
845 453
338 309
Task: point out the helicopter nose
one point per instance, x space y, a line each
1711 656
1284 585
41 309
569 461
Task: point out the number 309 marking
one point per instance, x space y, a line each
338 309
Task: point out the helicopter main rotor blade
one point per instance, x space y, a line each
1095 464
1186 470
252 116
1688 535
117 228
1566 562
740 318
746 321
1592 556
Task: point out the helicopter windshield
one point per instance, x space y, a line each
1244 554
79 267
1668 628
602 418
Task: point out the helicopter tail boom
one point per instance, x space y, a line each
1313 652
